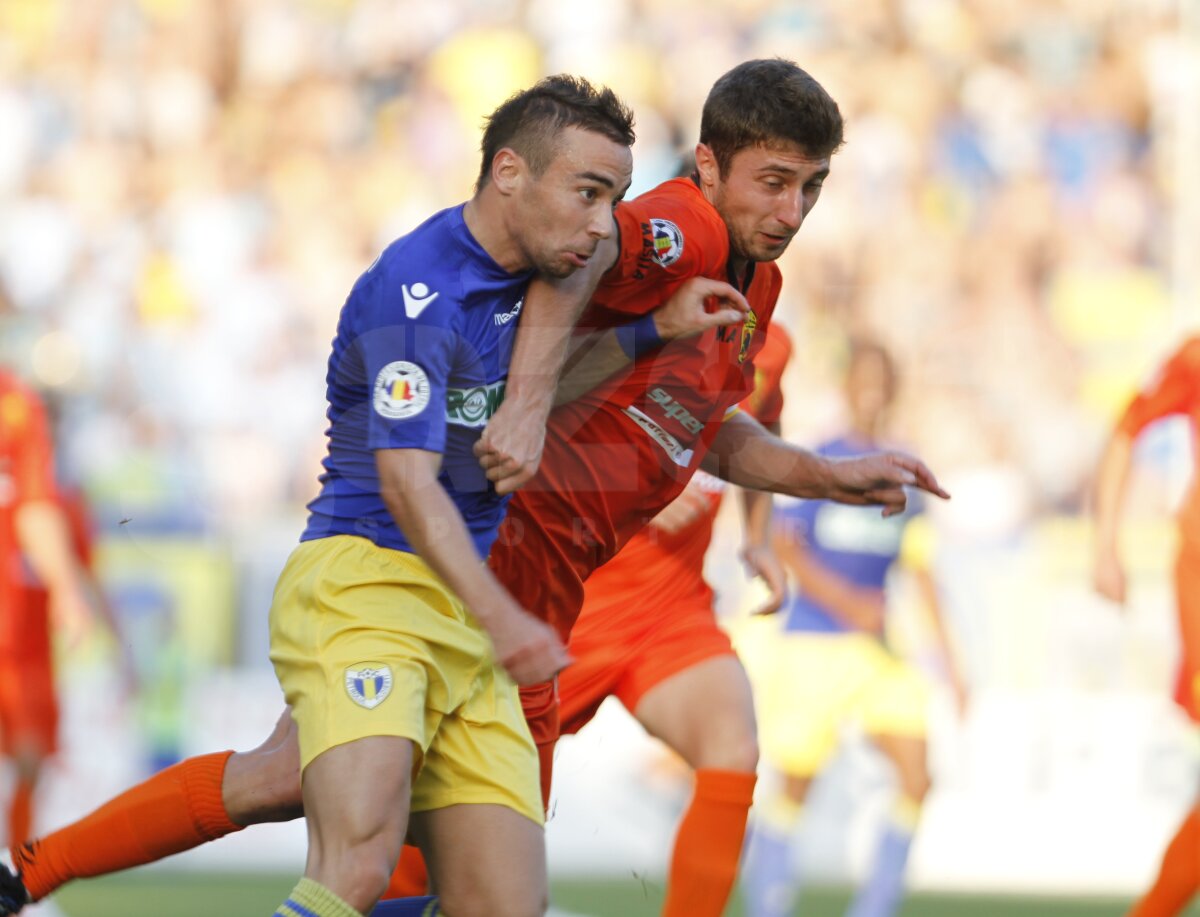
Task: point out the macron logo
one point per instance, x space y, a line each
416 299
503 318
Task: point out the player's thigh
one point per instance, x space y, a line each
484 860
706 713
909 756
356 798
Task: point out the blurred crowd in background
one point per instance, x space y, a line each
188 189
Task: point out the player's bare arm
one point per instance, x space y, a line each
528 649
510 448
45 540
747 454
699 304
1112 479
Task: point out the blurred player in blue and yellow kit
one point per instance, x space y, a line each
397 650
831 665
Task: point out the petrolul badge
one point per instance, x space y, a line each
748 327
368 683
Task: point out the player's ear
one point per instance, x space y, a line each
706 165
508 170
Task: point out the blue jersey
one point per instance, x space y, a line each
855 542
419 362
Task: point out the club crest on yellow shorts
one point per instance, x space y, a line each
368 683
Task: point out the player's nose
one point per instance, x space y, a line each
790 212
602 225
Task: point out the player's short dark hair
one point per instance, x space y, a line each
765 103
531 120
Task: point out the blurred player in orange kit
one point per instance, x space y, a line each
648 636
41 583
655 399
1174 391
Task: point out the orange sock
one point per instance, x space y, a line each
1179 877
410 878
175 810
20 813
709 844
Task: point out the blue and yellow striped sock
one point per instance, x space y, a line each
312 899
426 906
770 878
883 892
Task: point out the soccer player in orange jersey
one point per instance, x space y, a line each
40 581
619 453
1174 391
648 636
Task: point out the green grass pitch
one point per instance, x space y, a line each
189 894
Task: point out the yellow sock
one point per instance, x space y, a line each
312 899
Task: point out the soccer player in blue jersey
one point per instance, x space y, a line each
406 702
831 665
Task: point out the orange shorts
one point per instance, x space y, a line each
28 706
627 666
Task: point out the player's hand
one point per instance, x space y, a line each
528 649
681 512
879 479
1108 576
510 449
762 561
699 304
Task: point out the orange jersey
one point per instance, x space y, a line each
1175 390
26 475
616 456
655 567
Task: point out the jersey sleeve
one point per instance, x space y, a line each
406 363
1175 389
33 471
665 239
765 402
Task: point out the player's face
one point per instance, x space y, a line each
764 197
565 212
868 389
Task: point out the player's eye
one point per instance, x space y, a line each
773 183
589 194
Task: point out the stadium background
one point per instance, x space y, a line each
188 189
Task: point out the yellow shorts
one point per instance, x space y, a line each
807 686
368 641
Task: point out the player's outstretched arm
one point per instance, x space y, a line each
408 479
746 454
1112 481
510 449
699 304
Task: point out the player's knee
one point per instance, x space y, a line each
365 870
730 752
480 902
263 785
918 784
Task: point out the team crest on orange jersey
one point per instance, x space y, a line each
667 241
748 327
